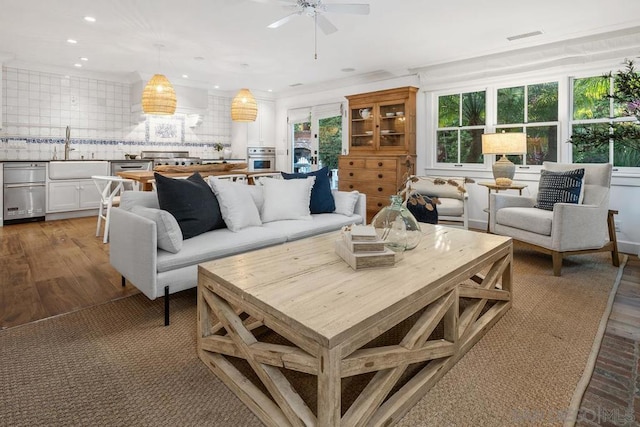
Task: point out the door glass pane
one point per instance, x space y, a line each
473 108
543 102
330 141
301 147
511 105
362 127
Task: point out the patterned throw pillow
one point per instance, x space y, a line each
423 209
559 187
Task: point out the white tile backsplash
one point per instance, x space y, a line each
37 106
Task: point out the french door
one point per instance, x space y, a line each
316 136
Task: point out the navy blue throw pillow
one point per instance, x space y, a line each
420 211
559 187
191 202
321 198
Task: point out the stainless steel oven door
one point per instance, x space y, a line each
262 164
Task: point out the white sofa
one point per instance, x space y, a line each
134 251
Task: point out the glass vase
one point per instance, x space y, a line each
397 227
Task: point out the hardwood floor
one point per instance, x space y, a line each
54 267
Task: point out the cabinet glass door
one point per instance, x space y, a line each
301 138
392 125
362 127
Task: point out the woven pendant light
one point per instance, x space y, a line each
244 107
158 96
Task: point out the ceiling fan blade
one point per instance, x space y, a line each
282 21
325 25
353 8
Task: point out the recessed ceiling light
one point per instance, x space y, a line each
269 90
72 41
82 58
524 36
348 70
199 58
90 19
185 76
216 87
77 65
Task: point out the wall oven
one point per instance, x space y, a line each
261 159
24 192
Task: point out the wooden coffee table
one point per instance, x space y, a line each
395 330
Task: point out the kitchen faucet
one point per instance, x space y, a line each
67 142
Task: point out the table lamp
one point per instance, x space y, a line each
504 143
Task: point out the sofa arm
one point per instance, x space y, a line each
133 249
361 207
579 227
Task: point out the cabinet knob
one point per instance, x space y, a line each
380 164
351 186
379 204
350 163
380 175
350 173
380 189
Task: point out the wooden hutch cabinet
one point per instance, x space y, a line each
382 133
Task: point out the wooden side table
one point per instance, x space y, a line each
497 188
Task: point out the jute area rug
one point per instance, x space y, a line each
116 365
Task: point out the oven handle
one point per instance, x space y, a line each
27 184
132 167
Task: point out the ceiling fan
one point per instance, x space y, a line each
316 9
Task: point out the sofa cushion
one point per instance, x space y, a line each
191 202
217 244
450 207
345 202
559 187
167 228
286 199
236 204
321 223
148 199
530 219
321 196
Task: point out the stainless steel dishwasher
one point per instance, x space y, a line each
24 192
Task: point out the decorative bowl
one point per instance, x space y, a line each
390 114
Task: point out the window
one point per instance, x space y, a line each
532 109
461 123
595 117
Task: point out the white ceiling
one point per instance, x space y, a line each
240 51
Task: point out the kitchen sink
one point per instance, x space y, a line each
77 169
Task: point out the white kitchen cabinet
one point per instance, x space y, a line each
262 131
72 195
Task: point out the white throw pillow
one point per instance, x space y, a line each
167 228
286 199
258 197
345 202
236 204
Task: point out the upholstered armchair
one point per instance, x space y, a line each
569 228
452 196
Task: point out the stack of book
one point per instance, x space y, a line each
361 248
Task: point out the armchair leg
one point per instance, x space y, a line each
557 263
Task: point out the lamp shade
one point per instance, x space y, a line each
504 143
244 107
158 96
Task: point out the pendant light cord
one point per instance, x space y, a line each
315 35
